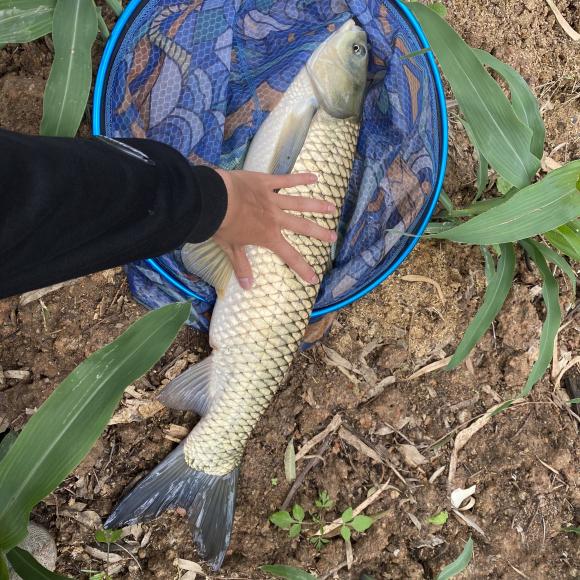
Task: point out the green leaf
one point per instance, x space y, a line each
67 90
27 567
495 295
558 260
295 530
323 501
551 295
503 185
498 133
282 520
566 238
523 99
572 530
575 401
4 574
458 565
439 519
59 435
438 8
346 515
280 571
362 523
108 536
345 533
536 209
298 512
7 442
25 20
415 53
290 462
489 261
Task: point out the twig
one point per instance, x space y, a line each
309 466
29 297
469 522
434 366
414 278
332 426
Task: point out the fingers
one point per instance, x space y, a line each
295 261
306 227
304 204
292 180
242 267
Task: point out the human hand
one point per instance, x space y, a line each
256 216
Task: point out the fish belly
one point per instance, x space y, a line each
256 333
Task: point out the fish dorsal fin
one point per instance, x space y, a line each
292 137
208 261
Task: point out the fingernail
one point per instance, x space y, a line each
313 279
333 236
331 207
245 283
313 178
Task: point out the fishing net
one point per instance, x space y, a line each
202 75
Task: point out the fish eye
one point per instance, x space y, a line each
359 49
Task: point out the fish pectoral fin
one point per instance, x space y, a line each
209 500
208 261
191 390
292 137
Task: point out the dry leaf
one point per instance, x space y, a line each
332 426
411 455
176 433
18 375
459 495
134 410
434 366
414 278
176 369
575 36
189 565
111 557
361 446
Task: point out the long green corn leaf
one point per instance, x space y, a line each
490 268
566 238
25 20
27 567
288 572
458 565
551 294
495 296
523 99
536 209
6 443
4 574
62 431
67 90
558 260
498 133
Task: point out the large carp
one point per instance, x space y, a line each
255 333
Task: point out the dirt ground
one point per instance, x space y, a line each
523 462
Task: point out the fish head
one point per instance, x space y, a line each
338 71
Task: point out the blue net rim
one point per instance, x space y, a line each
130 13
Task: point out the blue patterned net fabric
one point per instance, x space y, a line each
202 75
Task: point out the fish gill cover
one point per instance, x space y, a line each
202 75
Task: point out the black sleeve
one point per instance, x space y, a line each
70 207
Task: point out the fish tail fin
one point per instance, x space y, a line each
209 501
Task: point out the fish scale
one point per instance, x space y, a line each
255 333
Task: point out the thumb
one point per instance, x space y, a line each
242 267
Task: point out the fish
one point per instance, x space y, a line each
256 333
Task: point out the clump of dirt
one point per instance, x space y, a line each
523 462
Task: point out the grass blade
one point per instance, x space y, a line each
495 296
25 20
288 572
551 295
497 132
458 565
483 167
489 264
67 90
524 101
62 431
536 209
566 238
26 566
4 574
558 260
